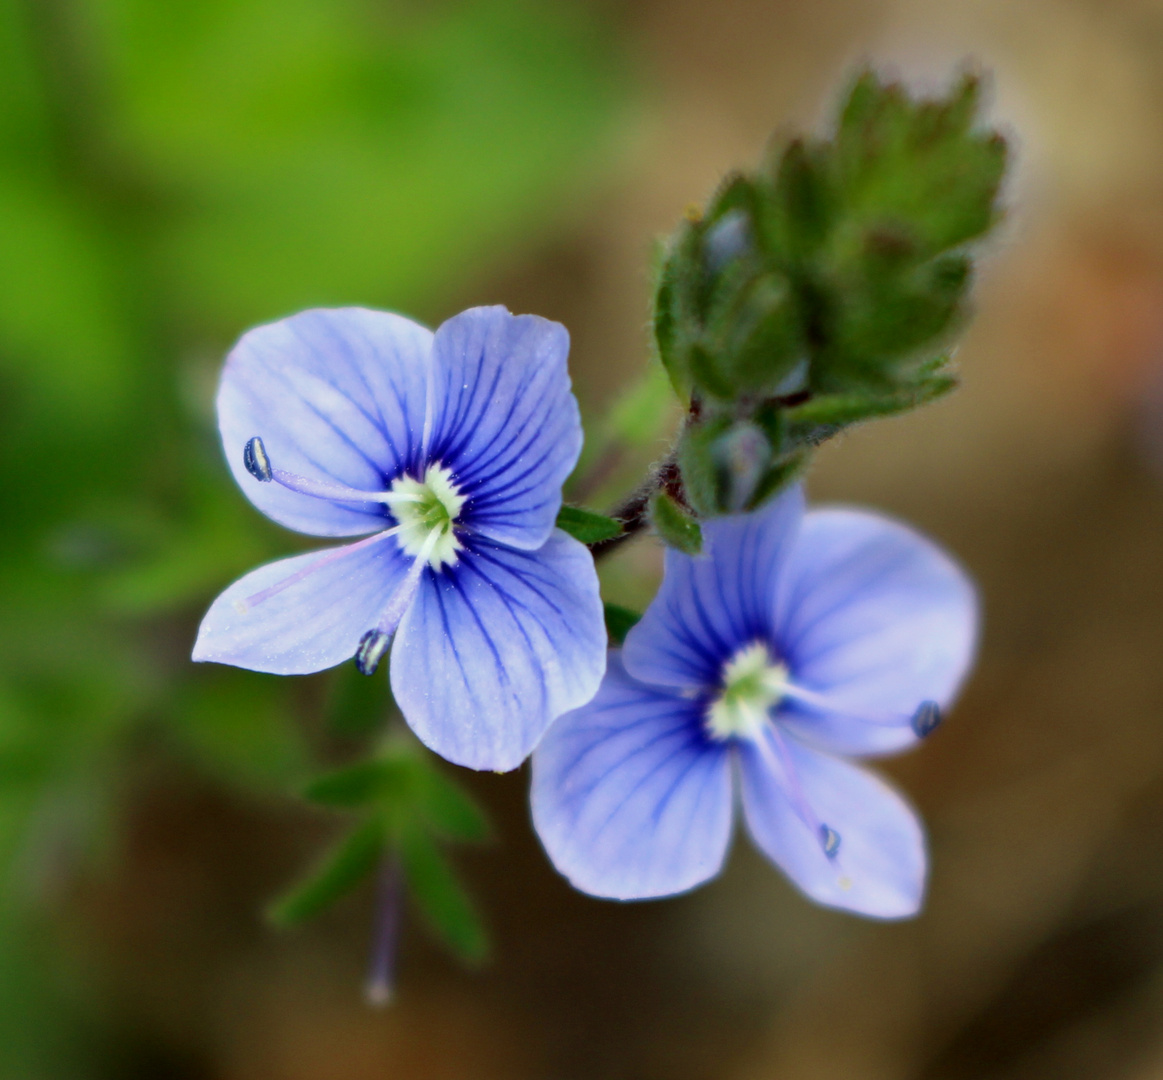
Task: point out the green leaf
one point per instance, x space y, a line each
587 526
358 785
619 622
839 410
674 525
358 706
406 786
920 163
441 899
340 872
240 727
447 808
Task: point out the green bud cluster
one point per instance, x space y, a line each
822 290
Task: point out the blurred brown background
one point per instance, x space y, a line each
1040 954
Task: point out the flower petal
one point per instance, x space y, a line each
879 619
629 798
335 395
880 867
713 604
505 421
498 646
314 623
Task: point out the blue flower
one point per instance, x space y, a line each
450 450
798 640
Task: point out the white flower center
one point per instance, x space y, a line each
752 684
425 512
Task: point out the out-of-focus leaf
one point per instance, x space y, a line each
346 866
358 706
239 725
358 785
619 622
440 897
186 560
446 807
406 787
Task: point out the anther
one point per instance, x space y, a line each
829 841
254 457
927 718
370 651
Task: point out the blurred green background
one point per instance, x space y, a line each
174 172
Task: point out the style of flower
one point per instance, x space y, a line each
797 641
449 449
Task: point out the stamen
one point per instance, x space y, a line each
254 457
381 983
923 721
777 756
370 651
243 606
258 464
927 718
374 644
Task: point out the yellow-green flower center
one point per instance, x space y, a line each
752 684
426 512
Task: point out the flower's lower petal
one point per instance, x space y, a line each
498 646
314 623
711 605
629 798
505 420
880 867
878 619
335 394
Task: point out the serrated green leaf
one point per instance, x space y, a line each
586 525
619 622
342 869
442 901
677 528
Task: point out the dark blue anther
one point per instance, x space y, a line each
370 651
927 718
254 457
829 840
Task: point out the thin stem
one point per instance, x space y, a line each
381 982
633 514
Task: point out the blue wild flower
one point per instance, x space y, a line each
449 450
797 641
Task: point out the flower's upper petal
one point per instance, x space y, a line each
497 647
877 618
334 395
504 420
314 623
629 797
711 605
880 867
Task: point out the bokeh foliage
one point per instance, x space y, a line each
169 174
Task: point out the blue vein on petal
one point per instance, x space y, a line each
865 577
507 464
452 453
